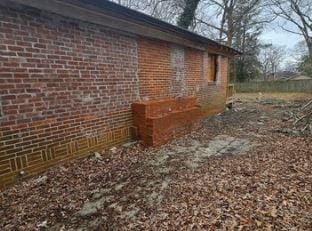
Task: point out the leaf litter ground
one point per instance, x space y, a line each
238 171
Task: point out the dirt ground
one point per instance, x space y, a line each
239 171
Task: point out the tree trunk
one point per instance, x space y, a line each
188 14
309 44
230 24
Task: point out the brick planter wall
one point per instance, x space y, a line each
159 121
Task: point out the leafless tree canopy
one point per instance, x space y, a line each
297 18
166 10
270 58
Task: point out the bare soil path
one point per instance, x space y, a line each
239 171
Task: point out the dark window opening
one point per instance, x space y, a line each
213 68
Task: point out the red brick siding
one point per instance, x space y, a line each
215 94
66 89
194 71
154 68
156 73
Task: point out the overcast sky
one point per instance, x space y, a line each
273 33
280 38
277 36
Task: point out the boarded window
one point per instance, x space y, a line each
178 85
213 68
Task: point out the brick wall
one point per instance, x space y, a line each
154 68
194 67
66 89
167 70
213 96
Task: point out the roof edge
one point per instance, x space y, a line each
125 19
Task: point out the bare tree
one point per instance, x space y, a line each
297 13
271 57
232 15
166 10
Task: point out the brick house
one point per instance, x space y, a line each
70 71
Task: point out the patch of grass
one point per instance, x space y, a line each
272 96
